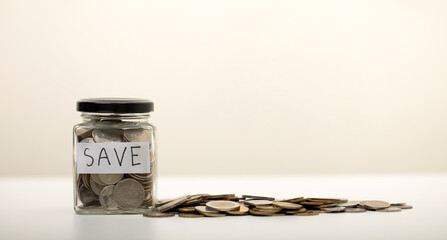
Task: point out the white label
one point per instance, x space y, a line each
117 157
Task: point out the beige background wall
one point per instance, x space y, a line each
240 87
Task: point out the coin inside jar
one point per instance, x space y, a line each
107 135
128 194
110 178
106 198
137 135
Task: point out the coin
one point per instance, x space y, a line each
261 213
186 209
106 198
158 214
268 208
292 200
312 203
218 214
243 210
220 196
96 178
128 193
82 133
375 205
109 179
350 204
390 209
87 196
334 209
87 140
190 215
253 197
306 214
259 202
223 205
205 209
398 204
287 205
405 206
330 200
107 135
137 135
95 187
355 210
172 204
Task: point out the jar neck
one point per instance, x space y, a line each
113 117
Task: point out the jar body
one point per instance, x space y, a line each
114 165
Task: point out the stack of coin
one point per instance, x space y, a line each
206 205
115 191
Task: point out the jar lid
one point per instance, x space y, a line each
115 105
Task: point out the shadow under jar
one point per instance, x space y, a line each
114 157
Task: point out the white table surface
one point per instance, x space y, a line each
41 208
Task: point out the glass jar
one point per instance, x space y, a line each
114 157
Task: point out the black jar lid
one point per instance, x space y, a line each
115 105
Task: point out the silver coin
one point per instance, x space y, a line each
405 206
375 205
109 179
258 202
254 197
96 178
355 210
106 198
137 135
398 204
223 205
205 209
88 140
349 204
87 196
107 135
95 187
128 194
334 209
172 204
390 209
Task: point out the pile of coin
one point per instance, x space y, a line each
206 205
115 191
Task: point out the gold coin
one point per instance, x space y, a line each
243 210
287 205
253 197
190 215
222 205
292 200
306 214
312 203
261 213
209 214
186 209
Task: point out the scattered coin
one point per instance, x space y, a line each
349 204
375 205
253 197
261 213
172 204
243 210
190 215
390 209
106 198
208 214
258 202
334 209
223 205
405 206
398 204
355 210
186 209
205 209
306 214
159 214
129 193
287 205
220 196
